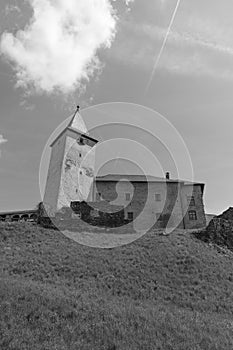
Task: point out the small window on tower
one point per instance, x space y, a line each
191 200
80 155
80 141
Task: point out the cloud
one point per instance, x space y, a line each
197 53
11 8
188 39
27 106
193 50
58 49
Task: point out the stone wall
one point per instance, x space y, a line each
99 213
147 211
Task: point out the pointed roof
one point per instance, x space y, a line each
77 122
76 125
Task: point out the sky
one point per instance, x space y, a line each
57 54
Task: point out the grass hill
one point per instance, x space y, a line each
159 293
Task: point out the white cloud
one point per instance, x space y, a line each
57 50
27 106
194 51
11 8
187 39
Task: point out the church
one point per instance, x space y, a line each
151 200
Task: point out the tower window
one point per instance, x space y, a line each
192 215
127 196
157 197
191 200
80 141
80 155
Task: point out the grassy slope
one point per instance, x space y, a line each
158 293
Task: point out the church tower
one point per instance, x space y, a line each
71 169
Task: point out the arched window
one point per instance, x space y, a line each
24 217
15 217
192 215
33 217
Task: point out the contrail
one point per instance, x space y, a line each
163 46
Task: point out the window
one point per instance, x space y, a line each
158 197
130 215
191 200
80 155
127 196
192 215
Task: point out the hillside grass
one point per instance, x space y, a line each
158 293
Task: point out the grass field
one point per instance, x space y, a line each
160 292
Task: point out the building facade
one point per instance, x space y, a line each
147 200
154 201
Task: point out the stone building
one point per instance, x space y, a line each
147 199
153 200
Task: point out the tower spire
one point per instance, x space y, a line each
77 122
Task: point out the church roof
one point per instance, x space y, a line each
141 178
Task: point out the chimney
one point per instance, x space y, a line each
167 175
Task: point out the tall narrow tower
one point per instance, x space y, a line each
71 169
